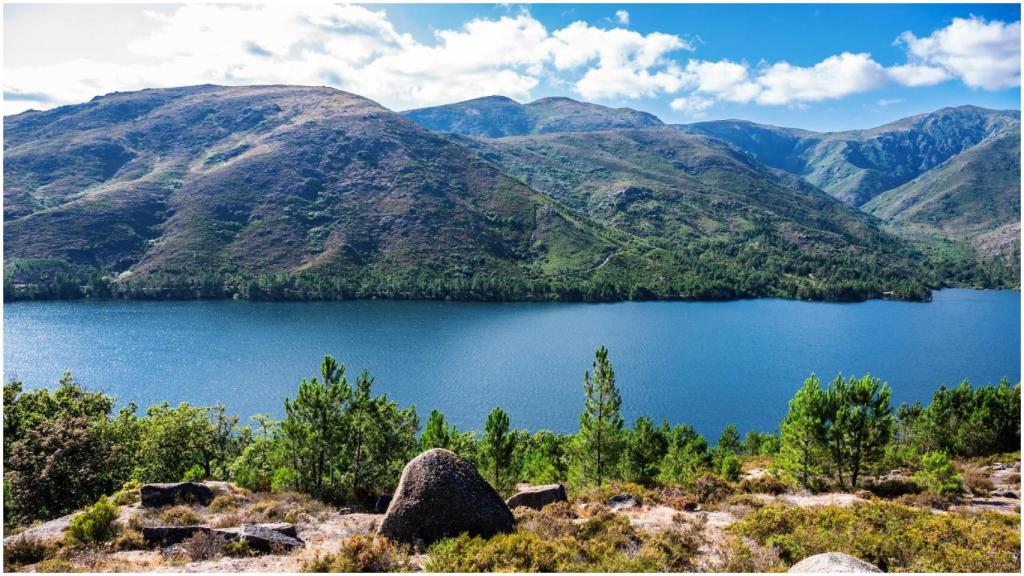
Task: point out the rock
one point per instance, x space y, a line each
439 496
164 536
832 562
156 495
622 501
276 537
538 497
1004 494
263 539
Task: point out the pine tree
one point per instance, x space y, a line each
645 447
498 445
314 427
802 431
600 435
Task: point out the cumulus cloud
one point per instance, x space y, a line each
358 49
692 106
982 54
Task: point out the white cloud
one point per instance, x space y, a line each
358 49
890 101
692 106
832 78
915 75
982 54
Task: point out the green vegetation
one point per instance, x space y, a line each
893 537
637 211
93 525
344 445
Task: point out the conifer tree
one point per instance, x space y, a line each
600 435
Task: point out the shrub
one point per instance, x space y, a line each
194 474
224 503
93 525
237 549
362 553
22 551
129 539
893 537
731 468
709 488
128 494
764 484
978 483
204 546
179 516
938 476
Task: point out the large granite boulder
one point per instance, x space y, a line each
538 497
439 496
832 562
156 495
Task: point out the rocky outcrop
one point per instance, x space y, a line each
440 495
164 536
156 495
266 538
832 562
537 497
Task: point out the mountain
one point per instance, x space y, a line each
298 192
973 196
702 197
497 116
856 166
208 189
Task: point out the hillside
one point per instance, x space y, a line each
699 196
296 193
967 197
161 187
856 166
497 116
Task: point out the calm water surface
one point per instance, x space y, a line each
707 364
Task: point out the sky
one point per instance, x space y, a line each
819 67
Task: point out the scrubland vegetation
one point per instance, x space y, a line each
342 445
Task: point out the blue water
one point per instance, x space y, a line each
706 364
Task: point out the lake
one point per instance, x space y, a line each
706 364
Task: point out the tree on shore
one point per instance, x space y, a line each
600 435
498 445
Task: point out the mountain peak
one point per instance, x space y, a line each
499 116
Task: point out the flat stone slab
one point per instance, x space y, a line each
169 494
537 497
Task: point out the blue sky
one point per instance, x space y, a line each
822 67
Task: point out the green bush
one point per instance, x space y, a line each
893 537
194 474
938 476
731 468
93 525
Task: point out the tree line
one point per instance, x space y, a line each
344 444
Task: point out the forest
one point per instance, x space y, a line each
344 444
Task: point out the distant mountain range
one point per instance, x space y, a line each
294 192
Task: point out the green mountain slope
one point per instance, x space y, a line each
856 166
497 116
973 197
296 192
701 197
208 189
